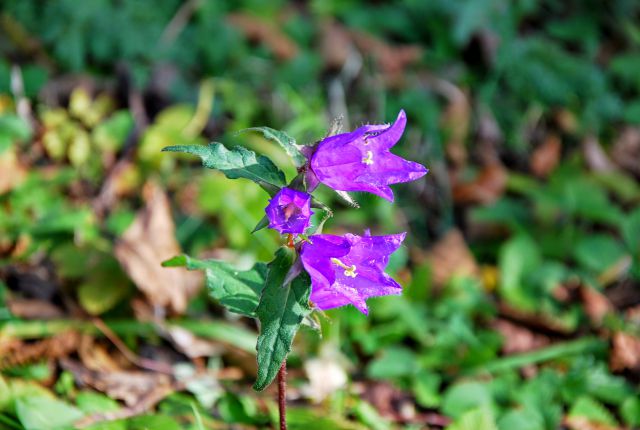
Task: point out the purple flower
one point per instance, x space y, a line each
349 269
289 211
362 161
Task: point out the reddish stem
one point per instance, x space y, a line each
282 395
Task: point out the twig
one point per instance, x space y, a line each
178 22
282 395
130 355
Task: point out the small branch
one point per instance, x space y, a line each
282 395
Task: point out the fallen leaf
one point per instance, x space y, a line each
545 157
596 304
582 423
518 339
31 309
336 44
625 352
450 256
258 30
191 345
486 188
132 387
327 374
13 173
626 150
146 244
95 356
594 155
19 353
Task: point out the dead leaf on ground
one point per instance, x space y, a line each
19 353
450 256
486 188
32 309
96 357
132 387
594 155
545 157
336 44
626 150
12 173
518 339
146 244
258 30
392 60
596 304
582 423
625 352
191 345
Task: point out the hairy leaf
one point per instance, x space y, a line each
235 163
281 310
238 291
287 143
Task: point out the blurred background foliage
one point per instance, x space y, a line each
522 264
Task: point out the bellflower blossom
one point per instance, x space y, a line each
289 211
349 269
362 161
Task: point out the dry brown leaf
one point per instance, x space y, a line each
546 156
33 309
582 423
596 304
517 338
132 387
335 44
392 60
486 188
146 244
625 352
12 173
626 150
95 356
594 155
191 345
19 353
451 256
258 30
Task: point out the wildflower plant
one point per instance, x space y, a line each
311 271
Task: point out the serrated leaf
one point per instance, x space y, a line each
347 198
287 143
281 310
235 163
238 291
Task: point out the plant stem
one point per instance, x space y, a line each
282 395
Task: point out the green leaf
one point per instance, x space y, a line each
589 408
395 362
235 163
238 291
281 310
598 252
521 419
466 396
476 419
264 222
517 258
287 143
630 411
45 413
